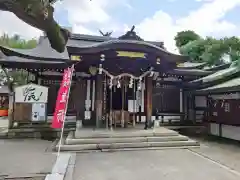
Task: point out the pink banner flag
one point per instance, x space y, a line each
62 99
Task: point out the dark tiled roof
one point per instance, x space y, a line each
190 65
219 67
218 75
93 38
91 44
20 62
23 60
190 72
43 50
231 85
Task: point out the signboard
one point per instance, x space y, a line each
62 99
38 112
31 93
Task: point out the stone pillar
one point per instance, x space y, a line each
99 100
149 88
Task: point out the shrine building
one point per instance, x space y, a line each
118 82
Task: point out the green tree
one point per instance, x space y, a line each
194 49
215 51
209 50
16 42
184 37
39 14
9 76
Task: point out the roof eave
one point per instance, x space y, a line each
14 52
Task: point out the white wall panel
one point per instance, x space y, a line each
214 129
231 132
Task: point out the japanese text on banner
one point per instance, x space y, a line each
62 99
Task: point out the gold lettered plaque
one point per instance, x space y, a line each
131 54
75 58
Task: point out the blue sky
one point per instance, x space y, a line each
140 9
157 20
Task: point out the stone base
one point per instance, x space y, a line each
104 140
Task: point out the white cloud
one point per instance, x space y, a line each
11 25
207 20
81 12
84 11
83 30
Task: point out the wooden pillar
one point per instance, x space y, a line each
80 91
134 105
99 100
149 88
123 103
194 108
181 100
140 114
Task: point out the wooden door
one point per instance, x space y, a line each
166 99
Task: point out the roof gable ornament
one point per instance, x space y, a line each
131 35
108 34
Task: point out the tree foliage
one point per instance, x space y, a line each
210 50
39 14
9 76
16 42
184 37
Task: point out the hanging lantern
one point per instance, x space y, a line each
100 69
111 83
223 101
151 74
93 70
139 86
131 82
102 57
118 83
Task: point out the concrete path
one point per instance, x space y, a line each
223 152
21 157
3 126
212 161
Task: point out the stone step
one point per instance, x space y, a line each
112 146
137 149
111 140
116 134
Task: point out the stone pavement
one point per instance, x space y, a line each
211 161
3 126
224 152
25 157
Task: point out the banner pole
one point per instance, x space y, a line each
62 130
